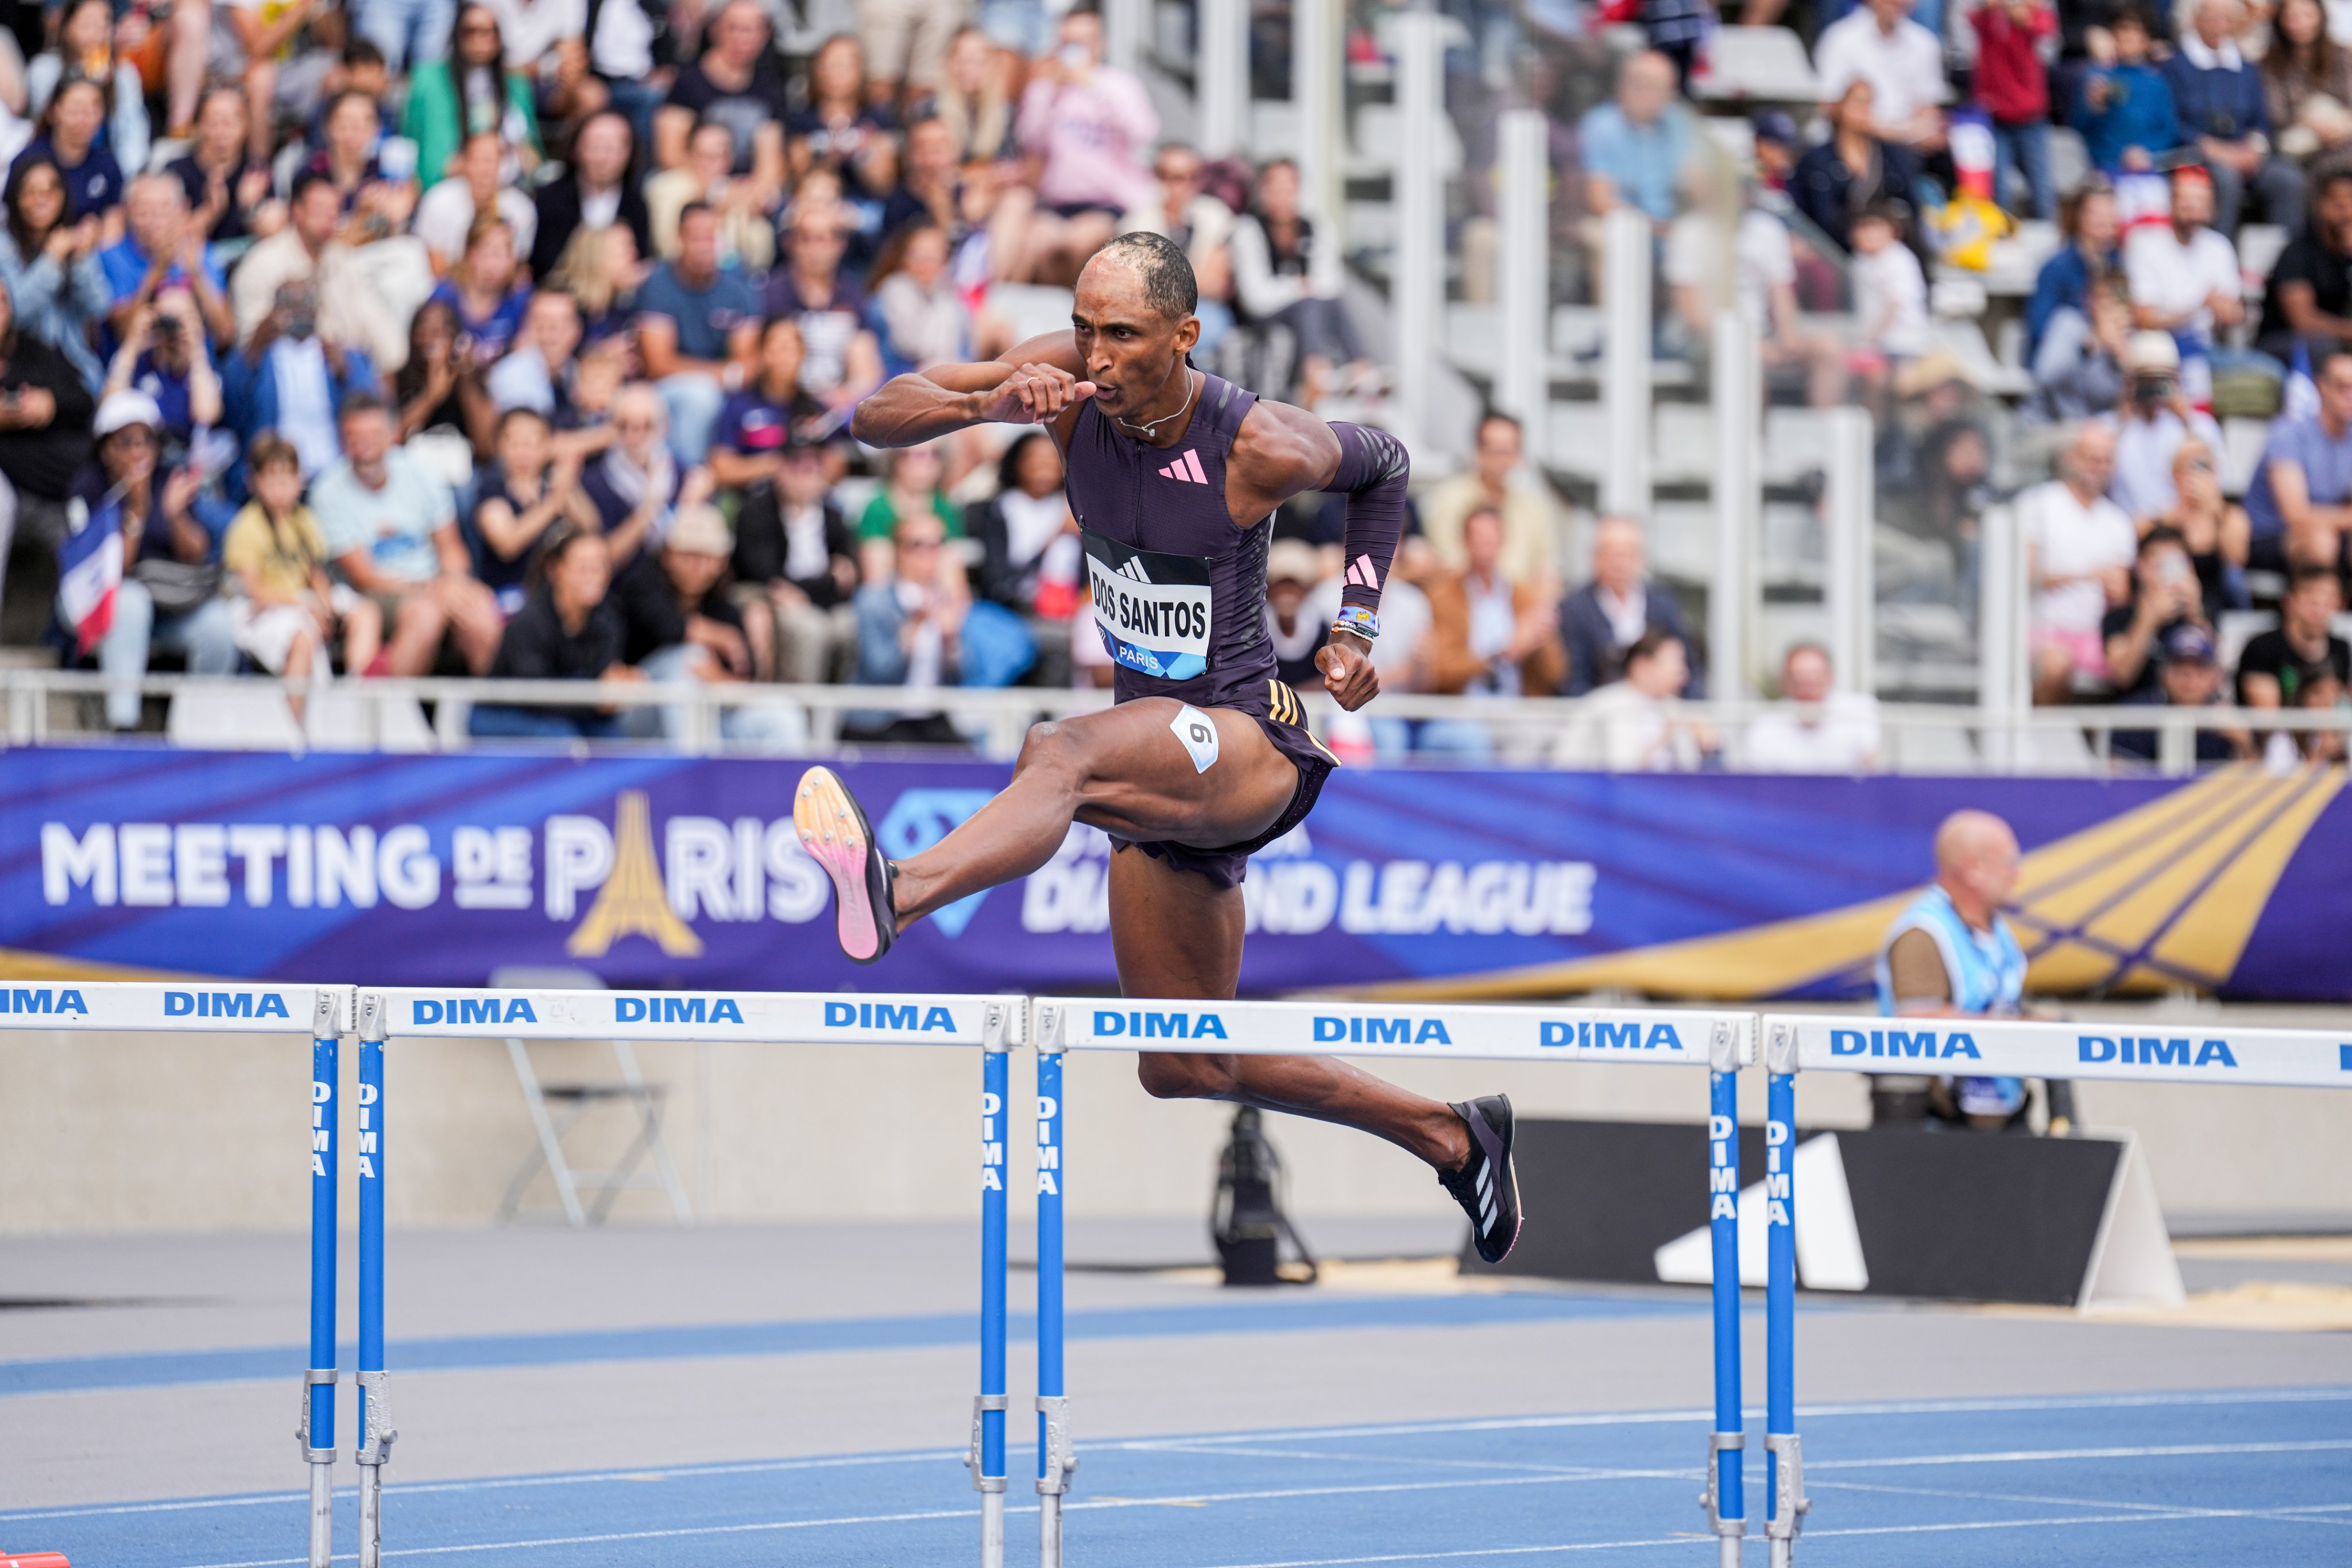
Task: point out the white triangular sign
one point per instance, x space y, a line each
1829 1247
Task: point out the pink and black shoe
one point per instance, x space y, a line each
833 830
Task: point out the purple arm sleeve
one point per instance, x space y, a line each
1372 474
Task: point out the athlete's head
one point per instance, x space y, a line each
1976 860
1134 319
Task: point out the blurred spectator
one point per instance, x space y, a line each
350 154
163 355
679 623
467 94
2307 87
697 328
391 532
2184 275
905 42
2152 420
974 101
910 621
486 291
2277 666
72 138
637 483
1617 609
2307 305
1627 725
1292 629
160 250
1832 730
350 312
168 596
50 264
2212 527
794 552
445 215
568 629
2069 279
2124 109
1779 146
1086 126
2299 506
2012 85
290 379
85 52
601 270
227 186
736 83
44 420
1186 212
1283 275
1491 634
930 182
1634 147
2078 373
2188 674
767 413
286 611
842 361
437 390
538 374
923 317
1030 559
911 485
1838 180
2164 599
628 49
1877 42
1890 290
843 128
527 491
2081 545
596 189
1763 283
747 236
1529 514
2220 101
406 31
2288 750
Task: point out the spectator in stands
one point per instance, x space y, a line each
596 189
1198 221
1616 610
351 156
44 421
445 215
2153 418
2219 99
437 391
911 484
2299 506
766 414
2012 86
679 623
794 551
910 620
306 249
2124 109
2307 87
736 83
2308 302
747 233
286 611
1293 630
2277 666
469 92
842 361
85 52
227 186
637 483
1491 634
1627 726
2287 750
930 184
1283 275
2080 550
72 138
162 250
568 629
1903 62
391 532
58 289
602 270
841 128
2068 281
974 101
697 328
1032 562
1764 284
2213 526
406 31
1890 293
1634 147
164 356
168 598
538 372
527 491
924 320
291 378
1828 730
1089 126
2164 598
2188 674
1529 514
2078 372
2184 274
1837 180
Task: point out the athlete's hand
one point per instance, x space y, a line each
1345 662
1033 394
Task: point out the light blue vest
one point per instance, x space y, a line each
1986 968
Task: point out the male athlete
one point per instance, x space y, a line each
1174 477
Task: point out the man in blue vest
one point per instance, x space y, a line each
1950 954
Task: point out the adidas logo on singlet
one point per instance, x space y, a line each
1185 470
1134 569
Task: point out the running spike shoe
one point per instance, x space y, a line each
1486 1184
833 830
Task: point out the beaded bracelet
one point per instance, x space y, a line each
1358 620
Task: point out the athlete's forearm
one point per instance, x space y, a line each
1372 474
912 408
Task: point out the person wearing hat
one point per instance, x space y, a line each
2165 598
679 623
1292 570
2188 676
2152 420
796 556
170 595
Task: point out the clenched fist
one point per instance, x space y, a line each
1033 394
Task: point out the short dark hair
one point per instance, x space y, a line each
2163 534
521 411
691 208
359 52
2134 16
362 401
350 93
309 180
269 450
1496 416
2327 357
2309 572
1648 645
2334 177
1166 271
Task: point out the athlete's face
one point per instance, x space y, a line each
1131 351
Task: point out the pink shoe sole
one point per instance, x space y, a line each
834 833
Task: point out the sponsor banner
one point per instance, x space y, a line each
674 874
1651 1037
779 1018
185 1006
2199 1053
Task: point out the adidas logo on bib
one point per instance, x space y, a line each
1185 470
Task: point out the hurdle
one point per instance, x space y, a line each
1721 1042
2203 1053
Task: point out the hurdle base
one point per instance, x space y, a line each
1049 1529
322 1509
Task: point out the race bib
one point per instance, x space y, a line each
1152 608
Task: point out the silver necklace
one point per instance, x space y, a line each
1152 427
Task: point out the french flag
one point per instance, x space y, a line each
90 570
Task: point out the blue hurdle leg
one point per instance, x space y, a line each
375 1426
987 1456
1055 1460
1784 1482
1725 1496
317 1433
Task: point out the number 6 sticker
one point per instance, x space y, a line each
1198 734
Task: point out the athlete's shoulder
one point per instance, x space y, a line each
1281 449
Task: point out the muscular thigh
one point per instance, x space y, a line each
1173 934
1144 783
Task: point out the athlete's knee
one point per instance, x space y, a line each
1172 1076
1057 748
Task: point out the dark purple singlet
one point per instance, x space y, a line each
1179 591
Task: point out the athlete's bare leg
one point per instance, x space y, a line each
1176 934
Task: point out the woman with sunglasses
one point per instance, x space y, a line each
2213 526
472 91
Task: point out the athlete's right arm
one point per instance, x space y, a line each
1035 383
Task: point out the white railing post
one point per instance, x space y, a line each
2004 674
1221 77
1735 484
1849 520
1417 286
1315 100
1524 388
1625 370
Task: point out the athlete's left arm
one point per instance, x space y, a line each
1280 452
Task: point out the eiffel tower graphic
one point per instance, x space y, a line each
633 902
